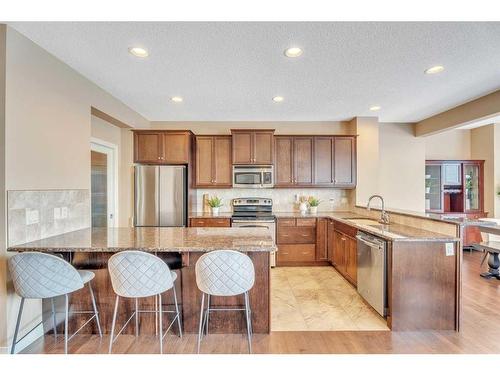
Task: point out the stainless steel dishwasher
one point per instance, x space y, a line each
372 271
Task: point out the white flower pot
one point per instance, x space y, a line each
215 211
313 210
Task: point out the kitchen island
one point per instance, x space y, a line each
180 247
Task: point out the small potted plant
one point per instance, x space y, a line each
215 204
313 204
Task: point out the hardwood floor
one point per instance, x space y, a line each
480 333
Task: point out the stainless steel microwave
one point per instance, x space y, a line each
253 176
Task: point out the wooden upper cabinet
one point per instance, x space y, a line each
303 160
344 166
323 160
148 147
162 147
222 161
283 173
252 146
204 161
213 161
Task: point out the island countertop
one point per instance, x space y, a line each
154 239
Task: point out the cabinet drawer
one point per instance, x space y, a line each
297 235
210 222
309 222
346 229
290 222
296 253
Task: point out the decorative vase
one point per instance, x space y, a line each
303 207
427 190
313 210
215 211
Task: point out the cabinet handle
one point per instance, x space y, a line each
285 235
304 235
201 222
343 239
305 252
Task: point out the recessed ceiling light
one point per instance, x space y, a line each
139 51
434 69
293 52
176 99
375 108
278 99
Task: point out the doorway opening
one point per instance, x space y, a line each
103 175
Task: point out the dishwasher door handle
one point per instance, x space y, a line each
369 243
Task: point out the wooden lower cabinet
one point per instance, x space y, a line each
209 222
344 255
296 253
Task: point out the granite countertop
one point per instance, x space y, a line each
154 240
391 232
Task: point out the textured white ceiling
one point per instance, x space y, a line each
231 71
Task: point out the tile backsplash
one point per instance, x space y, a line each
37 214
283 199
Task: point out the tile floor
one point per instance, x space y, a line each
318 299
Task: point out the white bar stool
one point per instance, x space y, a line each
37 276
137 274
224 273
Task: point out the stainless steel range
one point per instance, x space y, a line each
255 213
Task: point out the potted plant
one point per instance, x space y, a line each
313 205
215 204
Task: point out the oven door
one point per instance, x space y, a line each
247 178
269 224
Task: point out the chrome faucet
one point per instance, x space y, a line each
384 216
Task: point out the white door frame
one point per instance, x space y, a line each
111 150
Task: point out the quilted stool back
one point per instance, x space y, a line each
224 273
39 275
136 274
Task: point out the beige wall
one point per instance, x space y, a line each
484 107
282 127
48 130
402 167
483 148
450 145
3 214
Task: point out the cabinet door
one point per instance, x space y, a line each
323 160
433 188
322 239
339 251
283 175
148 147
351 261
242 148
222 162
176 148
344 168
204 161
473 181
452 174
303 160
331 240
263 148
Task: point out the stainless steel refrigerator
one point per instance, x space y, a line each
160 196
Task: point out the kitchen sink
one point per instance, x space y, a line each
364 221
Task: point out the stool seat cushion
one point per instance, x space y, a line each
86 275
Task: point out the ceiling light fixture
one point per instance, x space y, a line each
435 69
375 108
176 99
278 99
139 51
293 52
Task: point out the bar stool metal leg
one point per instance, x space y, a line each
160 323
178 314
247 299
54 322
66 318
247 315
207 314
113 324
18 323
94 306
200 328
137 317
